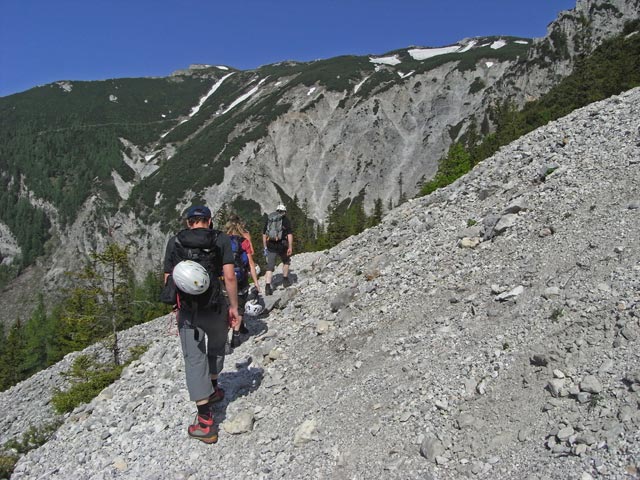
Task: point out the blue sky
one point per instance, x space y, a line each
42 41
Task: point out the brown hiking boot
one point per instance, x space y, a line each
204 429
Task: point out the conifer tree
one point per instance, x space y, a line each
36 337
116 291
13 360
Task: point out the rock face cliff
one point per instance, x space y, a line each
488 330
370 127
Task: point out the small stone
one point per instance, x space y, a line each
545 232
442 405
510 294
583 397
465 420
322 327
523 435
590 384
580 449
469 242
564 434
586 476
119 463
305 433
629 334
587 439
558 374
551 292
431 448
241 423
555 386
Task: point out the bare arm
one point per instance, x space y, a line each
231 285
290 242
252 263
254 274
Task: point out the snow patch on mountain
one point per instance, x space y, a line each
498 44
425 53
390 60
242 98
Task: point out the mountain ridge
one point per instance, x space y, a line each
306 133
487 330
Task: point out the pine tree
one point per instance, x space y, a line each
117 290
36 336
376 216
14 356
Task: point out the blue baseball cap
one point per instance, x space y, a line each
198 211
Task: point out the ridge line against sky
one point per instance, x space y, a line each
42 42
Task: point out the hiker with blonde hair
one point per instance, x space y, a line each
244 266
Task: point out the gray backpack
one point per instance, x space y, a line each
274 226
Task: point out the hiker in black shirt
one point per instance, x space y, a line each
277 239
203 320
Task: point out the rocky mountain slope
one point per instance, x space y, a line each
488 330
361 128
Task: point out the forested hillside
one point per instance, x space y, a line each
612 68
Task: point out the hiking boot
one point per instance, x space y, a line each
217 395
243 329
204 429
285 282
235 340
267 289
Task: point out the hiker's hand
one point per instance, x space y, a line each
234 318
289 251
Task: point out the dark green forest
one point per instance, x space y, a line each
62 146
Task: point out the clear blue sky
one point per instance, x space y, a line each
42 41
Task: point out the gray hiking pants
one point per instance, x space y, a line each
203 343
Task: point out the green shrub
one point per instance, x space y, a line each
31 439
7 464
84 392
91 378
34 437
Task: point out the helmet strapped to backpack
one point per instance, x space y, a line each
191 277
253 308
198 246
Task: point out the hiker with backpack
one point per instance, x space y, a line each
244 266
193 260
277 239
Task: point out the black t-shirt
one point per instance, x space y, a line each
222 244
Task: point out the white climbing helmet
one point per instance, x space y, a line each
281 208
253 308
191 277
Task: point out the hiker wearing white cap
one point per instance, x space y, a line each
277 240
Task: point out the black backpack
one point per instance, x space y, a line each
199 245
